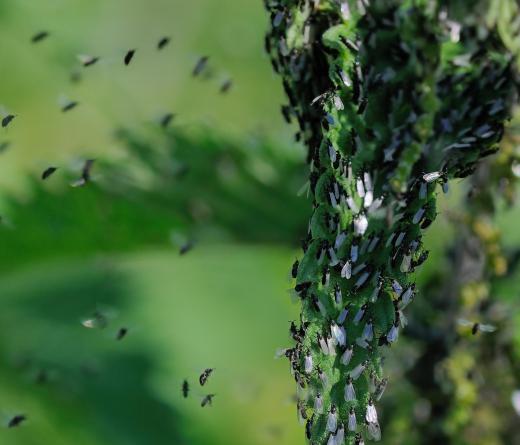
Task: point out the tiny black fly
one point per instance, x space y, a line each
205 375
129 56
48 172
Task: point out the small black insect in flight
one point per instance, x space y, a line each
200 66
166 119
226 86
163 42
205 375
7 120
38 37
186 247
121 333
207 400
70 105
129 56
87 60
16 420
85 174
185 389
48 172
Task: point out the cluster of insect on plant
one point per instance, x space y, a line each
380 137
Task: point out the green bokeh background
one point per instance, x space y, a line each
66 252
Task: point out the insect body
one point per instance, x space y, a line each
205 375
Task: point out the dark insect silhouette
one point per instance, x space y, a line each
205 375
69 105
200 66
85 174
16 420
38 37
121 333
163 42
48 172
226 86
7 120
207 400
87 60
166 119
185 388
186 247
129 56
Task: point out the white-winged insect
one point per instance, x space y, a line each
354 252
371 414
373 244
323 344
393 333
360 188
380 389
347 356
350 392
432 177
400 239
308 363
358 370
332 420
352 205
333 154
340 239
343 315
333 201
368 331
358 268
352 422
362 343
362 279
318 403
338 103
360 225
418 215
375 292
331 346
339 334
338 298
390 239
423 190
323 377
406 263
346 270
99 319
398 289
340 435
407 297
360 314
278 18
333 258
515 400
476 327
374 431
